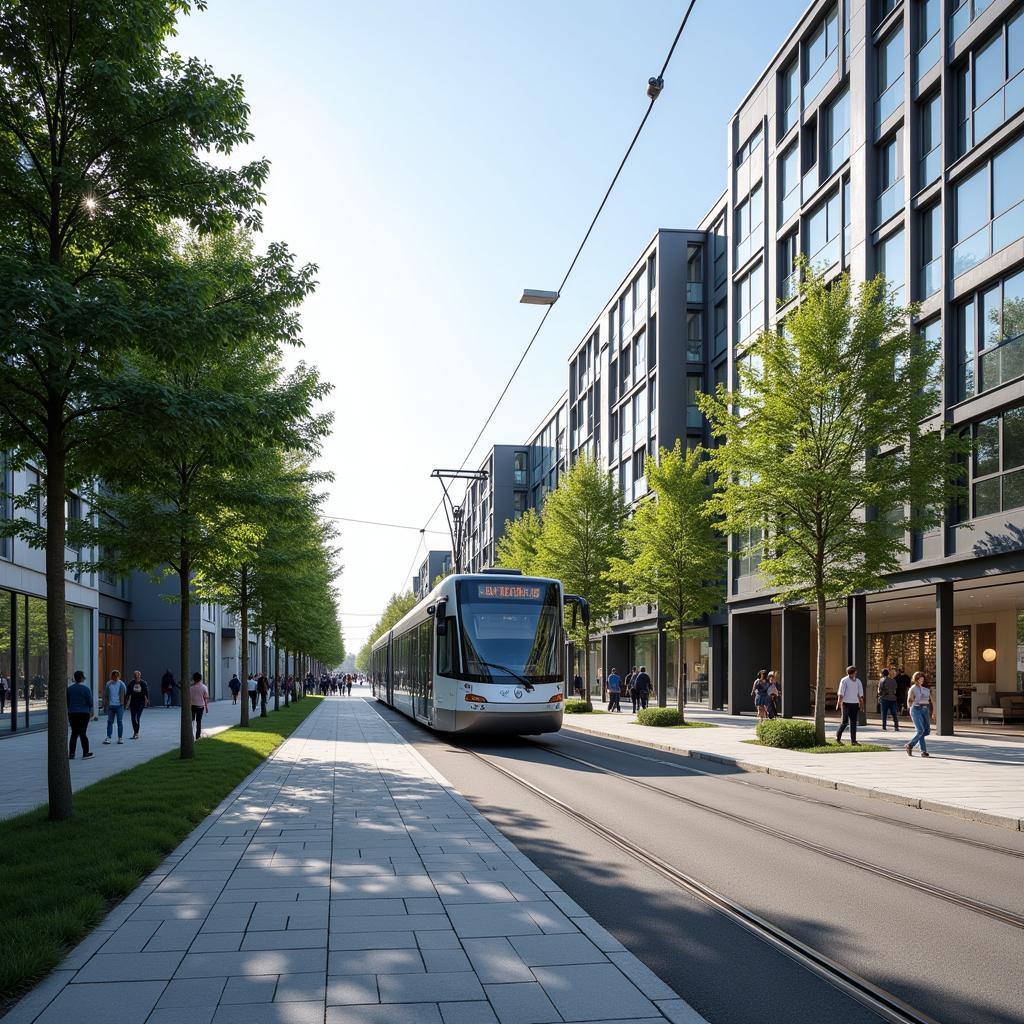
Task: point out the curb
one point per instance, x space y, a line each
965 813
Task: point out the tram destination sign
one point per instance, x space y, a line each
509 591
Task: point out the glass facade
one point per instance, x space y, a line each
25 656
696 650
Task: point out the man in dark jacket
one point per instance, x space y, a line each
167 688
642 686
79 713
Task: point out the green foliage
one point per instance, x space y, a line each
575 706
123 828
398 605
517 547
827 466
661 717
785 732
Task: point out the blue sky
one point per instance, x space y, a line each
436 158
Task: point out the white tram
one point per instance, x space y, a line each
482 653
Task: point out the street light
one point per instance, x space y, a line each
536 297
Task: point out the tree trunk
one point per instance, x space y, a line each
187 748
244 652
58 768
287 698
819 687
277 672
680 676
586 668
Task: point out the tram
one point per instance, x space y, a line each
482 653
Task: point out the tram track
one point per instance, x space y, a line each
886 1005
801 797
988 910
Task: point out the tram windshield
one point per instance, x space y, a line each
510 630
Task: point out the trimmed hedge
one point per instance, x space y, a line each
659 716
785 732
577 707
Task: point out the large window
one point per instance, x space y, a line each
750 303
789 249
519 468
749 222
890 76
929 165
823 228
208 664
6 501
891 262
789 182
991 336
718 231
838 128
821 56
990 86
694 337
746 151
891 190
750 546
694 385
694 273
990 208
997 471
931 251
929 48
789 92
721 327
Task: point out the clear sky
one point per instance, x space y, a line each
435 158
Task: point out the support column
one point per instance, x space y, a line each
944 693
796 662
750 643
857 643
718 685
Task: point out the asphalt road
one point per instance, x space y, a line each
954 964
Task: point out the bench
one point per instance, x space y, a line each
1010 709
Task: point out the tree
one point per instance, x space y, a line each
103 137
398 605
517 547
673 555
826 463
581 536
210 403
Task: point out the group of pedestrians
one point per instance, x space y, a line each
765 692
637 686
336 684
918 700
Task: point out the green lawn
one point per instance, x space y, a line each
829 748
60 879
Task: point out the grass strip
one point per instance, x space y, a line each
828 748
61 878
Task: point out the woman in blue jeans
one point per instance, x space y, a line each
922 712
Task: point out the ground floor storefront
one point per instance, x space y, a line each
966 636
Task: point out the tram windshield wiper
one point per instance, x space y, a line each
527 685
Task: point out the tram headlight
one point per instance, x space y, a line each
474 698
555 699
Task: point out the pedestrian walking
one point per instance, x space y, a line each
627 686
759 691
199 698
849 700
235 686
138 701
115 693
922 712
167 688
642 686
79 713
773 694
577 685
614 690
5 687
903 683
887 691
263 688
348 684
252 690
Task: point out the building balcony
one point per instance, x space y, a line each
996 235
962 18
999 107
1001 364
889 102
890 202
789 204
927 57
929 167
931 277
820 78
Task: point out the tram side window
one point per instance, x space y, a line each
426 662
448 651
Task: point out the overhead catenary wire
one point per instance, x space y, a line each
392 526
655 86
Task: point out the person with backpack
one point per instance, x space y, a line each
614 691
115 694
79 713
642 686
167 688
235 686
138 701
887 691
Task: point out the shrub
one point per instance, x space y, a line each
576 707
659 716
785 732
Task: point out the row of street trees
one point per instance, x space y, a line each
829 454
144 333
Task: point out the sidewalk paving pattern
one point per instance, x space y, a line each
345 882
980 778
23 756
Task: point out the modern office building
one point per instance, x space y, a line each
888 137
437 563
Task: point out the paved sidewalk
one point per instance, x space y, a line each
978 778
345 882
23 757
